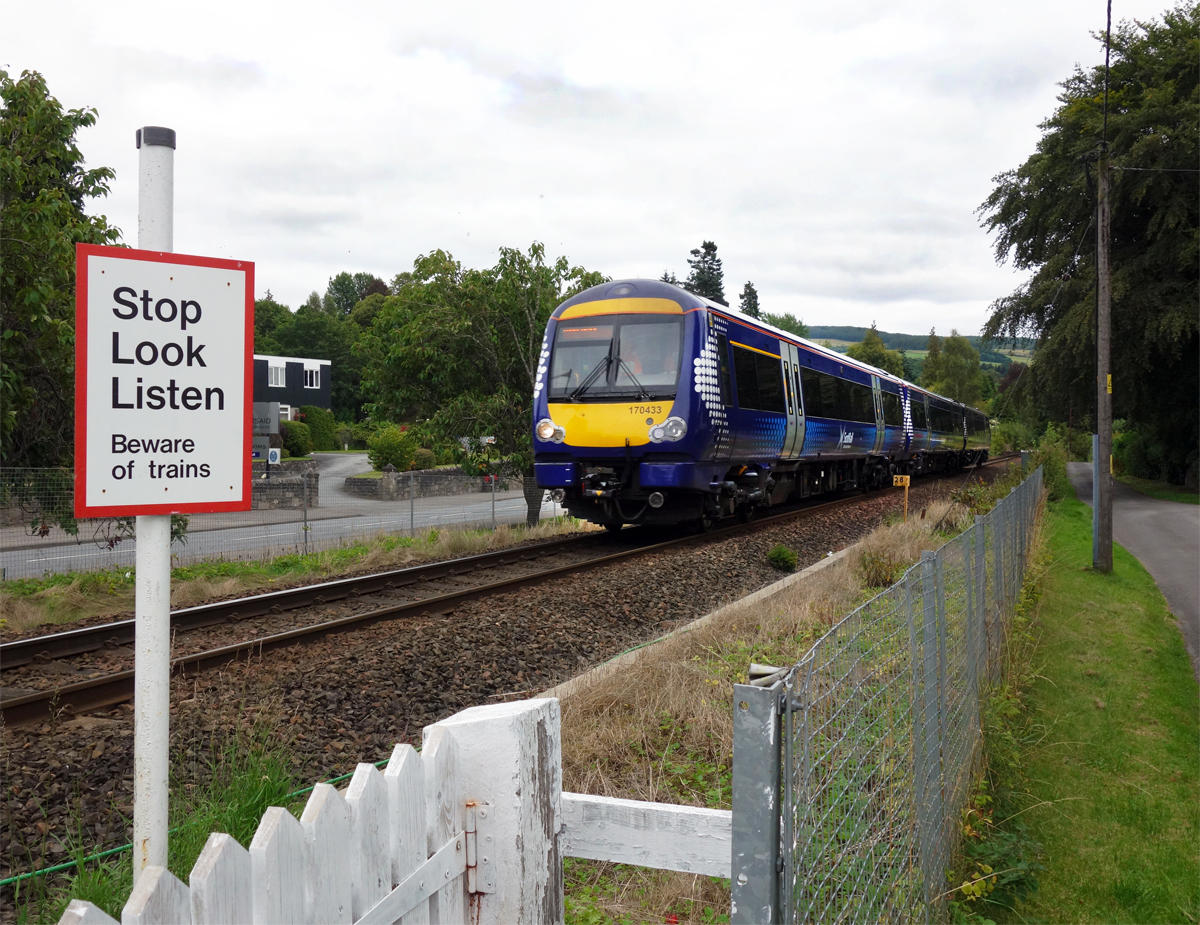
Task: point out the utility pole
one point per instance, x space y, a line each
1102 489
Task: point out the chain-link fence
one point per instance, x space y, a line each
303 506
881 733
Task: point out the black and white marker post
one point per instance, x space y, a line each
152 646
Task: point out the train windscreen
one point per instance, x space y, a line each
616 356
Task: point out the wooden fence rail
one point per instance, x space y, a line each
472 828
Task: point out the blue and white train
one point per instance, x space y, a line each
653 405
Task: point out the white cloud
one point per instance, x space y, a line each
835 152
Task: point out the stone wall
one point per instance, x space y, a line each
285 491
428 483
284 467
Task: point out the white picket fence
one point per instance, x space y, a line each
471 829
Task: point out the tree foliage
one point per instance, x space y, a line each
871 350
346 290
706 277
786 322
1043 216
459 348
43 191
748 301
931 369
960 373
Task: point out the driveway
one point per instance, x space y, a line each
1165 537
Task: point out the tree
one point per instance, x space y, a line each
748 301
460 348
43 190
269 316
931 369
912 368
1043 215
313 334
871 350
960 370
706 277
346 290
669 277
786 322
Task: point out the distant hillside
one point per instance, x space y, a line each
901 341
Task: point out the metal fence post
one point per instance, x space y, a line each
997 518
933 810
920 774
412 502
981 608
970 627
756 861
493 501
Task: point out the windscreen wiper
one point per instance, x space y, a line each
592 376
624 364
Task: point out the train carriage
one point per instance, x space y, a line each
655 405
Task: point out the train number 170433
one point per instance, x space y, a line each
645 409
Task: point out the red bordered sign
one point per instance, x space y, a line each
164 382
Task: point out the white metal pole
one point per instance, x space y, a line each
152 613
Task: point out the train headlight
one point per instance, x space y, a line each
675 428
546 429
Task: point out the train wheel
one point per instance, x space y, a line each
613 528
746 512
707 522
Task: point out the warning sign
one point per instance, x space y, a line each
163 382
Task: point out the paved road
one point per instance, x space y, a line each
1165 537
341 517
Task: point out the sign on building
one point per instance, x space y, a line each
164 382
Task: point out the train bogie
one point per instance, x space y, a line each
655 406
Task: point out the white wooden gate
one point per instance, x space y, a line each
472 828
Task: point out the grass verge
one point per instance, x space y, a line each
1164 491
1092 747
56 599
660 729
241 777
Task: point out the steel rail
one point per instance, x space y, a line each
20 652
111 689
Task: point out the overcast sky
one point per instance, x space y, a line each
836 152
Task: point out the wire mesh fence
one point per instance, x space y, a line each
303 506
881 732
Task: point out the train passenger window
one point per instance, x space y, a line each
855 402
759 380
892 415
814 397
916 404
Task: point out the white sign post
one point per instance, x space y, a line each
164 385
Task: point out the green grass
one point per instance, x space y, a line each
1107 744
1164 491
368 475
241 779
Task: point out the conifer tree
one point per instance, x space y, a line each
706 277
749 301
931 372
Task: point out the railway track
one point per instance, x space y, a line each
107 690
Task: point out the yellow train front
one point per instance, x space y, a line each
653 405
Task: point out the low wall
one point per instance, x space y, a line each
284 467
428 483
285 491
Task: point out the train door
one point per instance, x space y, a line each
877 398
794 439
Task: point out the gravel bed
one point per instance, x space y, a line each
350 697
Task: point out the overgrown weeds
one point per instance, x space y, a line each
226 789
660 728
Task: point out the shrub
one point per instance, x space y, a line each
345 436
1010 436
879 569
297 438
391 444
782 558
1052 455
324 429
424 459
